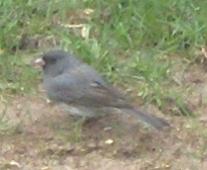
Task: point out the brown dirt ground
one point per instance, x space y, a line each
45 138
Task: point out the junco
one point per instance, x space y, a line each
83 91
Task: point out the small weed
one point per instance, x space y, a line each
4 122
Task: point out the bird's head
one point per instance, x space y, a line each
56 62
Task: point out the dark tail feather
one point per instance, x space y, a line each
152 120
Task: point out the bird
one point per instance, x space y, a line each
82 91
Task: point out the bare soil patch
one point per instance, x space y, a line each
43 137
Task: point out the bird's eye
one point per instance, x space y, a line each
49 60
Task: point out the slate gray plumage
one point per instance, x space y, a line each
76 84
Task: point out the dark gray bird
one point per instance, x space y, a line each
83 91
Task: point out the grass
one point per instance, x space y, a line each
129 42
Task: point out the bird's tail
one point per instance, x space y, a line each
152 120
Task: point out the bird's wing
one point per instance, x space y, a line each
84 90
99 94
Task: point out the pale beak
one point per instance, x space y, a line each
39 62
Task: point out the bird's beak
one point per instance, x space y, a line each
39 62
